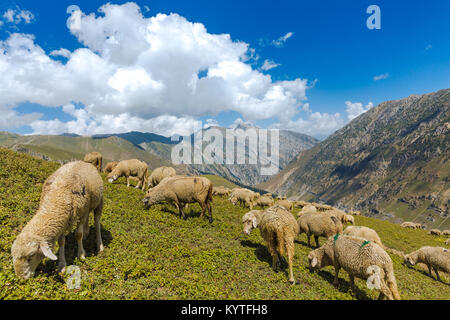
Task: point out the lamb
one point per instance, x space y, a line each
130 168
435 232
68 196
110 166
364 232
361 259
94 158
286 204
221 191
244 197
278 228
181 190
264 201
160 173
319 225
436 258
349 219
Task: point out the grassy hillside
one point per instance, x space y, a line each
74 148
152 254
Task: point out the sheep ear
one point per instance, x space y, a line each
47 252
314 262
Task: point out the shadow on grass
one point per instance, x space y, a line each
71 249
344 286
262 253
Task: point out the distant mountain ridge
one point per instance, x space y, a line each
391 162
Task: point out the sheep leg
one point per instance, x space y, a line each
273 252
290 253
437 274
128 181
86 228
62 257
337 268
97 216
138 184
317 241
384 291
203 205
210 212
179 206
308 237
79 236
429 271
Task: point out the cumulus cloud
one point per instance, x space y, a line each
17 16
381 76
141 69
269 64
355 109
281 40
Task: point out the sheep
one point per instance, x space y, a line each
360 258
68 196
94 158
338 213
244 197
110 166
181 190
268 194
309 208
355 213
278 228
221 191
130 168
409 225
446 233
323 207
435 232
160 173
447 242
286 204
364 232
319 225
281 197
300 204
436 258
349 219
264 201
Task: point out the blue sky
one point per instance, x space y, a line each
330 48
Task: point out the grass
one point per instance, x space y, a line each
153 254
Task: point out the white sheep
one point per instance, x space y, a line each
364 232
68 196
278 228
361 259
130 168
436 258
435 232
319 225
94 158
160 173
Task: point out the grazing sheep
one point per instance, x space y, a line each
359 258
265 201
130 168
288 205
309 208
68 196
110 166
447 242
268 194
446 233
435 232
278 228
300 204
323 207
94 158
181 190
436 258
364 232
338 213
281 197
349 219
319 225
160 173
244 197
221 191
355 213
411 225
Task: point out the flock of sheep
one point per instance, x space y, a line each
76 189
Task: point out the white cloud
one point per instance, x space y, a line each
355 109
281 40
269 64
17 15
61 52
143 68
428 47
381 76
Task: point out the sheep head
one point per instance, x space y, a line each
250 222
319 258
409 261
27 254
